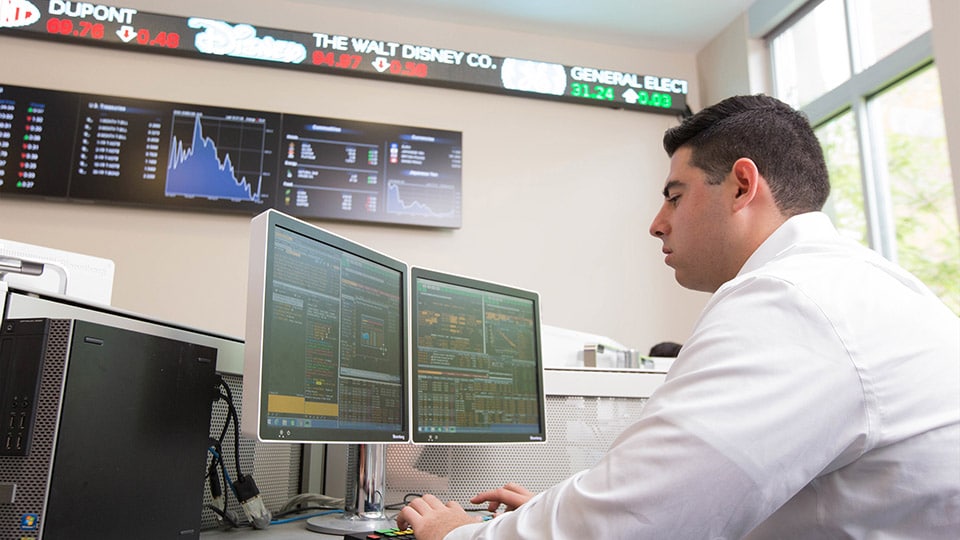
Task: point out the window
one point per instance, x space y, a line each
838 137
863 72
806 60
907 120
886 25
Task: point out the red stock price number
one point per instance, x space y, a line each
170 40
411 69
353 61
66 27
344 61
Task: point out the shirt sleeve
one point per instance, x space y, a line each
762 400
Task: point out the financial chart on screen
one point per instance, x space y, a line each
56 144
342 168
217 157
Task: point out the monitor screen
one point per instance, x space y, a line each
477 370
187 156
325 343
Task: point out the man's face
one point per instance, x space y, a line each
693 224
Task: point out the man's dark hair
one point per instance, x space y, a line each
670 349
776 137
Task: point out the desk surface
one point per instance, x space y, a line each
295 530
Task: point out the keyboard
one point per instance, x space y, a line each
383 534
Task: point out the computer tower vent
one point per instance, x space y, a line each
31 471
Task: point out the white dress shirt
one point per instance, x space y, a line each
817 397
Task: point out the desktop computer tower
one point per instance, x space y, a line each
105 431
276 467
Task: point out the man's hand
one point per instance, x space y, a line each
511 496
431 519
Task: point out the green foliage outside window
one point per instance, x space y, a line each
918 177
845 206
928 242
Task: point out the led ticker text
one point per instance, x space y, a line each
213 39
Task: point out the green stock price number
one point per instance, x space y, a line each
654 99
596 91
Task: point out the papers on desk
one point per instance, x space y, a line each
563 348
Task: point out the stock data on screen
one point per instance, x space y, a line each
214 39
64 145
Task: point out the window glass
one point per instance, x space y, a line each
883 26
908 119
810 57
838 137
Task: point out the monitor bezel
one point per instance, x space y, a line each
253 397
472 438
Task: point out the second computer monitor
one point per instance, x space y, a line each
477 368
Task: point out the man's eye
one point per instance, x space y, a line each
673 200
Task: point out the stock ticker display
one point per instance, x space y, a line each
73 146
213 39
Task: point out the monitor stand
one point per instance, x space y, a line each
364 506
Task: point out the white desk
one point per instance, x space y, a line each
296 530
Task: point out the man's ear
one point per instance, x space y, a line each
747 182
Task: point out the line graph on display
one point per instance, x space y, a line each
431 199
223 158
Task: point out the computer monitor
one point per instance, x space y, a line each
325 350
476 361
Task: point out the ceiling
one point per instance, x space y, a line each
676 25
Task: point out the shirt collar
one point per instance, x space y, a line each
811 226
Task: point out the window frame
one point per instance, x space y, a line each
854 95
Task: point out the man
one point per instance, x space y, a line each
817 397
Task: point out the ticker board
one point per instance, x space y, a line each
214 39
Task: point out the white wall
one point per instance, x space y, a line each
556 197
733 63
722 66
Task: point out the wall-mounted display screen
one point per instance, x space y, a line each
179 156
101 24
342 168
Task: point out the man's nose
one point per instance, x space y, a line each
658 226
